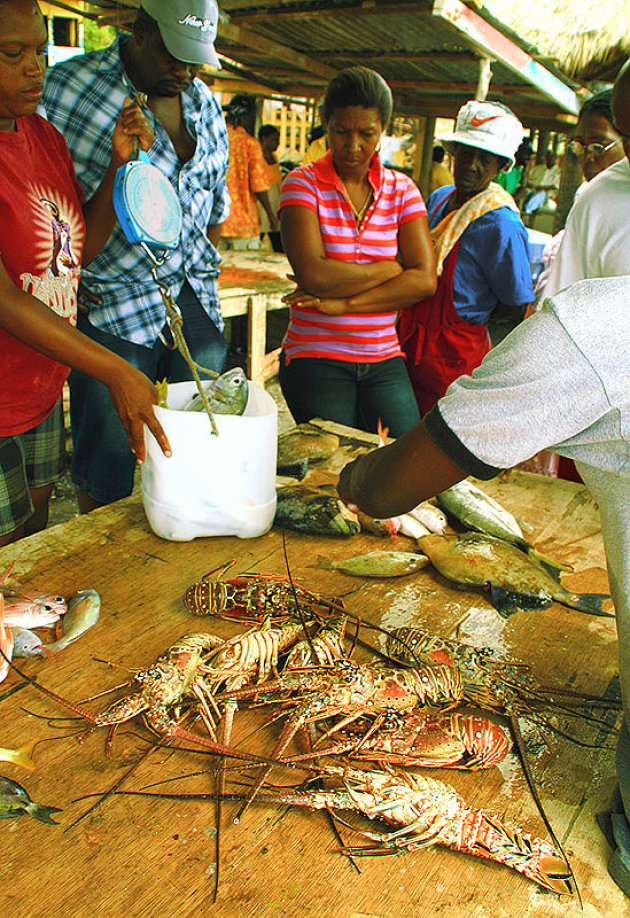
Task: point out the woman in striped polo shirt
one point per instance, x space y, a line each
356 235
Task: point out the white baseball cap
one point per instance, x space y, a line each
487 126
188 28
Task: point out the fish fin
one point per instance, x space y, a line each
552 566
507 602
296 470
591 603
43 813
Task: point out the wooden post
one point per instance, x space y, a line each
417 157
543 143
485 75
257 338
570 180
427 156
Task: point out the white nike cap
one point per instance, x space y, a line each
487 126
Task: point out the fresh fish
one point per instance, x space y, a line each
305 442
226 395
379 564
14 801
315 511
6 643
514 580
409 526
430 516
21 756
82 614
31 609
27 644
387 527
477 510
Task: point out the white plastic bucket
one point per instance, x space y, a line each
212 485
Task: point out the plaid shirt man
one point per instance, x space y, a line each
83 98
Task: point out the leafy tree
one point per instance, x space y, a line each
95 36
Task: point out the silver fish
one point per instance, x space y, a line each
477 510
27 644
14 801
227 395
83 612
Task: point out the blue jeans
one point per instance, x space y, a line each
355 394
102 464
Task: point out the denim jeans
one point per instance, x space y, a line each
355 394
102 463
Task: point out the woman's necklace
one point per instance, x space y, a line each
360 213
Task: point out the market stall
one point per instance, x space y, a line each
151 856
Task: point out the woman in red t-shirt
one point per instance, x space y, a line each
46 231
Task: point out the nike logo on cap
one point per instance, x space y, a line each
476 121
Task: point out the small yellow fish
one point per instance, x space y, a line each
21 756
379 564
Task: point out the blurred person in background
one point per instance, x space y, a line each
440 173
269 139
247 180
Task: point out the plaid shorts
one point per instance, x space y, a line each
29 460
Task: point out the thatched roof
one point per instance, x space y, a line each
589 41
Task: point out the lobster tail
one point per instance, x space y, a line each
486 836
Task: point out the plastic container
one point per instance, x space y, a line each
212 485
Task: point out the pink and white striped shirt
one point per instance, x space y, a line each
354 337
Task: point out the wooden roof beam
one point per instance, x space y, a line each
274 10
491 43
242 36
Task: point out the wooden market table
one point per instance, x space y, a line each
135 856
252 284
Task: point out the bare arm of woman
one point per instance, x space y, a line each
99 213
133 393
314 272
416 281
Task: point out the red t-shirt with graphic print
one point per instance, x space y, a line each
41 240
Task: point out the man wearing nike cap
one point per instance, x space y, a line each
482 253
169 42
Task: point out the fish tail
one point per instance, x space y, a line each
591 603
324 562
43 813
21 756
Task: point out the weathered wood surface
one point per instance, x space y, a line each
245 273
137 856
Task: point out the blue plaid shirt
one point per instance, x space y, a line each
83 98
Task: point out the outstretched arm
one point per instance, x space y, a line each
393 479
133 393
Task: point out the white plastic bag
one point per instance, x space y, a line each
212 485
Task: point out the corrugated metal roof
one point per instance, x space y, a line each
428 52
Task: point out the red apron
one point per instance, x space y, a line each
439 346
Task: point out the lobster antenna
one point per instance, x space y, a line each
520 745
296 600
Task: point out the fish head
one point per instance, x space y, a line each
231 390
